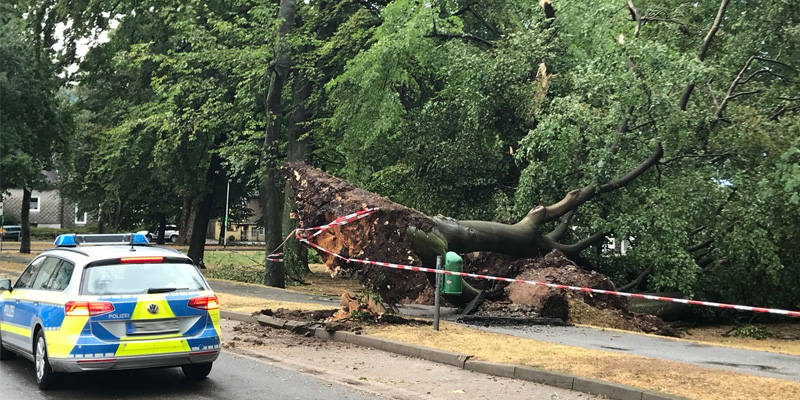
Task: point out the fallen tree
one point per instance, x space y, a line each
400 234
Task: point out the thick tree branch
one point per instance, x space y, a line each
636 281
561 229
485 22
467 37
630 176
574 249
774 61
700 245
697 230
547 7
703 50
636 15
577 197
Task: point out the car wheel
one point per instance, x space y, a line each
196 371
6 354
173 238
45 377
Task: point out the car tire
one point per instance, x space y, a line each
6 354
45 377
196 371
173 238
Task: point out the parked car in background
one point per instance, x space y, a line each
170 234
11 232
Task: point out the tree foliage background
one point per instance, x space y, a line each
475 109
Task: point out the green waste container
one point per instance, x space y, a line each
452 283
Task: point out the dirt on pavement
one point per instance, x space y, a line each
387 374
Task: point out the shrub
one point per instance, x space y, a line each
751 331
50 234
244 273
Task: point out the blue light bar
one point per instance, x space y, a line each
139 238
67 240
72 240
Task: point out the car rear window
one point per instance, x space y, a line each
141 278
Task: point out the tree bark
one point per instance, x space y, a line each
101 219
270 205
703 50
25 221
197 240
162 226
295 257
186 221
223 230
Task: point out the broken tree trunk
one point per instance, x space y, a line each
399 234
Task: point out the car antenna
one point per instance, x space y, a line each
133 248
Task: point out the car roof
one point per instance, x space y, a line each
85 254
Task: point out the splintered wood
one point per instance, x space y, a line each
364 307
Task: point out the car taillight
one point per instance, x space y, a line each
141 260
87 308
204 303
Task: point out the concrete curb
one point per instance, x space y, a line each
235 316
551 378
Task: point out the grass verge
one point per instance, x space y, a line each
243 304
665 376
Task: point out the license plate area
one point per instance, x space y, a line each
153 327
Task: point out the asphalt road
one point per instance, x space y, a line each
233 377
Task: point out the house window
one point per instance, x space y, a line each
80 217
254 232
261 231
35 203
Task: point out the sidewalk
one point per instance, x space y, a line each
760 363
390 375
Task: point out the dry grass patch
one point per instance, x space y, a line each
320 283
665 376
244 304
12 266
785 338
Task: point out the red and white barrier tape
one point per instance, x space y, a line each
352 217
341 221
275 257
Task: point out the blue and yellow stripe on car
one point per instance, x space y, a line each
83 337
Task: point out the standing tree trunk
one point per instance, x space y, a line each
101 220
295 255
275 274
25 220
223 229
162 226
197 240
186 222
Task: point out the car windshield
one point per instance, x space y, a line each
141 278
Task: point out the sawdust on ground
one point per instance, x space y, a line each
665 376
243 304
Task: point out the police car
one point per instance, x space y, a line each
120 304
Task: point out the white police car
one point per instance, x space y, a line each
111 306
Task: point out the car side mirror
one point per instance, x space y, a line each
5 285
